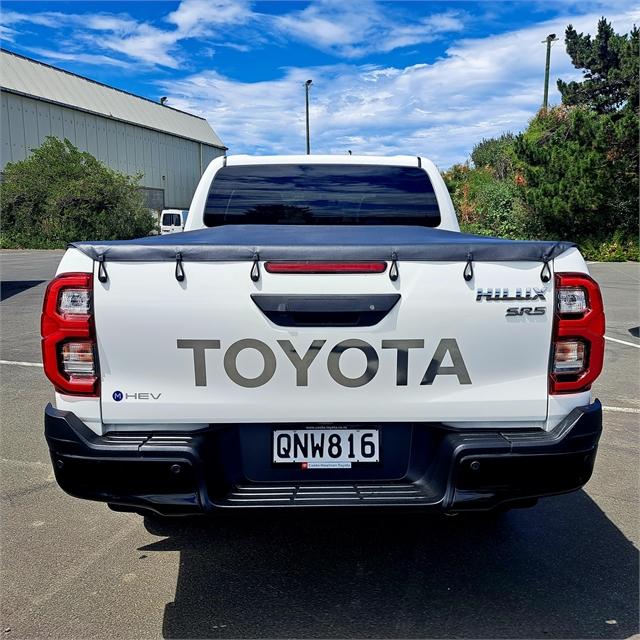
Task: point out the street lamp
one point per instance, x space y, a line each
549 39
307 85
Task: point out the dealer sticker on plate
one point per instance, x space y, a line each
326 448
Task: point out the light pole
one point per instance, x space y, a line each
307 85
549 39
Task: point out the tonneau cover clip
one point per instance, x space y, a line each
467 274
545 274
255 269
102 269
393 270
179 269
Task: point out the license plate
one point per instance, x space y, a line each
326 448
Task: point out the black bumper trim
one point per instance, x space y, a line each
201 471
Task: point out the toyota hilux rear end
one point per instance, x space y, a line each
324 337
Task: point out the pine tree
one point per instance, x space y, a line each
610 65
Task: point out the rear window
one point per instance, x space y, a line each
321 194
169 219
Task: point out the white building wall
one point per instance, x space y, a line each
166 161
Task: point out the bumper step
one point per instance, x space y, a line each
327 495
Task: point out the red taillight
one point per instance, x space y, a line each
325 267
578 335
68 336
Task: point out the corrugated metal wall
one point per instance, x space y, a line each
167 162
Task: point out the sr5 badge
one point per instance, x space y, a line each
525 311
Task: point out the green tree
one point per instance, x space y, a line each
610 65
580 160
496 153
570 180
60 194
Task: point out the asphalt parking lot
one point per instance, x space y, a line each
567 568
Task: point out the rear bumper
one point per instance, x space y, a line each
429 467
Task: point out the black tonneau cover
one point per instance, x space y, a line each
299 242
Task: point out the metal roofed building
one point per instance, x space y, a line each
131 134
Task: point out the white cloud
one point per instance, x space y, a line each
329 25
83 58
115 32
7 34
56 20
192 19
345 29
244 48
44 19
140 41
197 16
479 88
106 22
353 29
424 30
146 43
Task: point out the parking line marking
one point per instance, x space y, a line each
21 364
25 463
621 409
629 344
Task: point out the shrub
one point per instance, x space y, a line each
60 194
495 153
576 182
487 205
617 249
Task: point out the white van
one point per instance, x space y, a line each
173 220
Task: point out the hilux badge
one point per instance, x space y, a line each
525 295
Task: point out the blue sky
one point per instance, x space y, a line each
429 78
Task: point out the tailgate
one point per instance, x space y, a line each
203 351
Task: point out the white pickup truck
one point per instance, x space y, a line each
322 335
